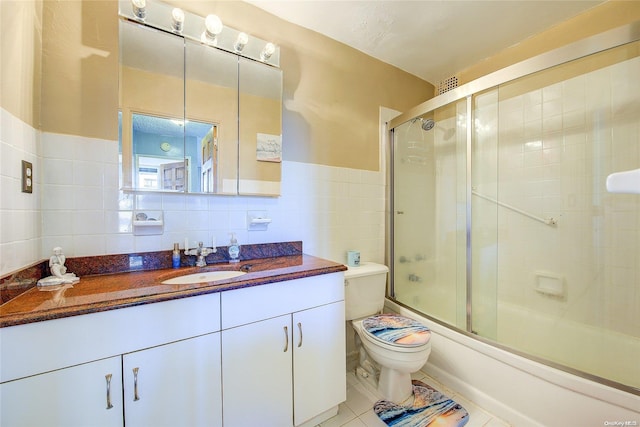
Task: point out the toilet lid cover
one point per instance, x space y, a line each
398 330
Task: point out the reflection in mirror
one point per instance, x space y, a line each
158 160
260 127
152 92
211 92
167 154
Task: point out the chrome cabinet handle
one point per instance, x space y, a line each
300 330
108 378
286 339
135 384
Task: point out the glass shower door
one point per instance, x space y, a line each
429 214
506 220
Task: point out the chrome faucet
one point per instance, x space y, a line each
201 252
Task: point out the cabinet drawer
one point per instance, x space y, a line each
53 344
247 305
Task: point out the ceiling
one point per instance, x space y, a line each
432 39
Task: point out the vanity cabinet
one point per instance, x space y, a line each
167 388
174 384
257 374
72 396
78 371
319 361
271 354
283 352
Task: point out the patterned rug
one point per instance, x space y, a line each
430 407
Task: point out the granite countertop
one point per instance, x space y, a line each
95 293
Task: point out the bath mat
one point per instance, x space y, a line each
429 408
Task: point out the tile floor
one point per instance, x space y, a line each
357 411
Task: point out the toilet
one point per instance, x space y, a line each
397 345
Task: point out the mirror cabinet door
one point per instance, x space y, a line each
260 128
211 110
196 119
152 110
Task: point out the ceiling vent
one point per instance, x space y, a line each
447 84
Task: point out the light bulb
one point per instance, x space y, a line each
213 26
241 42
268 50
139 8
177 16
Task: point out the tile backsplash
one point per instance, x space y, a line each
20 213
76 204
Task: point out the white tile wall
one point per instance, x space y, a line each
77 205
20 213
546 151
573 134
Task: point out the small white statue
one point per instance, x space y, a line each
58 270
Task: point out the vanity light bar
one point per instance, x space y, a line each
209 30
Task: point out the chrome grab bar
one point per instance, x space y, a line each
549 221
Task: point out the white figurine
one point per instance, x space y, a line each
58 270
56 262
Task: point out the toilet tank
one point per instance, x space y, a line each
364 289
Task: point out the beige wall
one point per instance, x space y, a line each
609 15
80 68
20 64
332 93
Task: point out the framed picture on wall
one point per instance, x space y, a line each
269 148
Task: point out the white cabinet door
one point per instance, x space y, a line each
72 397
176 384
256 374
319 360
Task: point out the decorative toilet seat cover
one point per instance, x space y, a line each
397 330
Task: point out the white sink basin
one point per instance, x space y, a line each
206 276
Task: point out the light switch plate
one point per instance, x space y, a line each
27 177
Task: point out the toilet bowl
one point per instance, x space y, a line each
396 361
397 345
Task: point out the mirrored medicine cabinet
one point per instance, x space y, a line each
194 117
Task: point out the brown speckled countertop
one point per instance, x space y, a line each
95 293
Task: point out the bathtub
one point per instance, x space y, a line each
607 354
519 390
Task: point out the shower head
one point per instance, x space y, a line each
427 124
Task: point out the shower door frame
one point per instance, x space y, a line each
591 45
